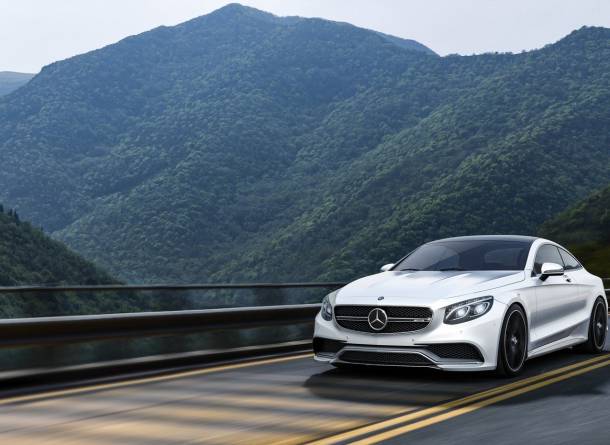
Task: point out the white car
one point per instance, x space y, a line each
465 304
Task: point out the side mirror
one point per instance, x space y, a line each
387 267
550 270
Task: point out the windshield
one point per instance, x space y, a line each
467 255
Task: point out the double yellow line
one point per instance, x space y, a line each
372 433
396 426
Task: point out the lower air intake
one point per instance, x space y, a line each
327 346
385 358
460 351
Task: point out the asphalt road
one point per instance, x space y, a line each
562 398
571 412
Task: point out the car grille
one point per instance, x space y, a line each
385 358
460 351
400 318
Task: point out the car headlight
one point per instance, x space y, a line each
468 310
327 310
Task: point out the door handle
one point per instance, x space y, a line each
568 279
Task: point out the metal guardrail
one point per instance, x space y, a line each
163 287
13 381
79 328
178 287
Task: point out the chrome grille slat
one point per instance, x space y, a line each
347 317
395 319
401 319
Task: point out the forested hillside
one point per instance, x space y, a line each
243 146
29 257
585 229
10 81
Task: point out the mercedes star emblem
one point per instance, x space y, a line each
378 319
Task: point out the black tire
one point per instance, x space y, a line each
512 350
598 322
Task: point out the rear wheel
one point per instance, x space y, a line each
598 324
512 350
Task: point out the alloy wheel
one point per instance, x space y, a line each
515 340
600 321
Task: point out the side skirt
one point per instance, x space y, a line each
555 346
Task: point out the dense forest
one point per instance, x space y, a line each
29 257
243 146
585 229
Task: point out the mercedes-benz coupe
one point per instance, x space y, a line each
465 304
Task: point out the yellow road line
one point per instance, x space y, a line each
146 380
371 428
475 406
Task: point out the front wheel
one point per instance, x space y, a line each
598 324
512 350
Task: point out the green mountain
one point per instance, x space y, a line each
10 81
585 229
29 257
243 146
407 43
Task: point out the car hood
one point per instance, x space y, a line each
423 287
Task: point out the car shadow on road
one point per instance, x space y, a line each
423 387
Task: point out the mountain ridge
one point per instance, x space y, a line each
279 149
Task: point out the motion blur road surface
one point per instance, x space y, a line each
292 399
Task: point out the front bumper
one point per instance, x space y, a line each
424 348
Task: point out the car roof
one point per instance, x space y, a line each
523 238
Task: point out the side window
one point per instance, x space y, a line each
546 254
569 261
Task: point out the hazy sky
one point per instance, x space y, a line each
34 33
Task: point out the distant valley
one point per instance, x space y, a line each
10 81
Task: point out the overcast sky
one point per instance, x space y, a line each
34 33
